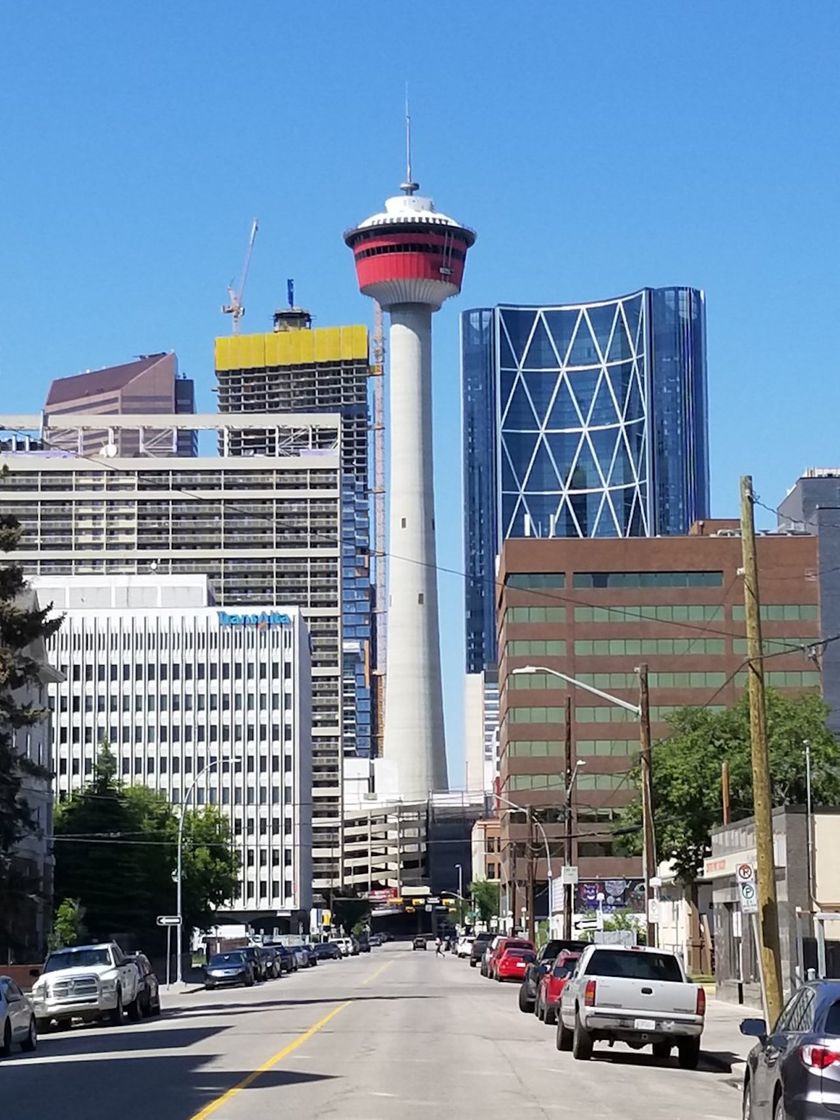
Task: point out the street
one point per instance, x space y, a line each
393 1033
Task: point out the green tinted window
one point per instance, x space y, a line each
630 614
782 612
601 781
777 645
535 748
610 748
647 579
528 580
535 680
624 647
535 715
552 647
535 781
536 614
781 679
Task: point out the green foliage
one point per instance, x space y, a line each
119 855
68 924
22 630
486 895
350 911
687 772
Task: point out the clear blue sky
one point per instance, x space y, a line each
596 148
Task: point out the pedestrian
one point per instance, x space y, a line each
438 947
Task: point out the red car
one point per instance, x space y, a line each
512 963
503 945
552 984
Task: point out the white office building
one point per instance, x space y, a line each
208 705
265 528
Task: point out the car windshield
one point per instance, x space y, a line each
222 959
77 958
634 966
521 954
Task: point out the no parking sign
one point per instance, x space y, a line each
745 878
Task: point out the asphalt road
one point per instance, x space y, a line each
392 1034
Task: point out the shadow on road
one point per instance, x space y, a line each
214 1009
711 1061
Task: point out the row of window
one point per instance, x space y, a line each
556 781
535 614
150 701
655 680
782 612
162 733
612 580
777 645
552 647
677 613
622 647
553 748
778 679
178 671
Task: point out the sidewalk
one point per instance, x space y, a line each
723 1044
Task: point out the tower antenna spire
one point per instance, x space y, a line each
409 186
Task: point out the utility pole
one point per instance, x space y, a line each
724 790
568 888
768 913
532 926
649 836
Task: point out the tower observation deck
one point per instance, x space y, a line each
410 258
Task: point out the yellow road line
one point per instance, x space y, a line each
216 1104
378 972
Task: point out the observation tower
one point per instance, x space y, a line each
410 258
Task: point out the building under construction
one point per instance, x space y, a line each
296 368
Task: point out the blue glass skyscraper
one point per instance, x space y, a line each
579 420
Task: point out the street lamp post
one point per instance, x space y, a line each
180 861
460 871
642 713
539 824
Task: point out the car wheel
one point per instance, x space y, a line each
581 1042
746 1101
154 1008
564 1036
115 1017
779 1112
6 1047
135 1010
31 1040
549 1016
661 1051
473 964
43 1026
498 978
524 1003
539 1010
688 1054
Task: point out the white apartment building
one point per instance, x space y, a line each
208 706
264 528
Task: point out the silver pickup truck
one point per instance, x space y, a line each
86 982
633 995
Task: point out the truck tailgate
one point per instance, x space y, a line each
640 997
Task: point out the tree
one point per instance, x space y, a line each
210 866
486 894
350 911
23 628
117 851
687 772
68 924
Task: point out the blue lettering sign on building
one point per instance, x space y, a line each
261 621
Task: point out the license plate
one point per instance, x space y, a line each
645 1024
521 964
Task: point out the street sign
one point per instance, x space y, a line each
569 876
168 920
747 887
586 923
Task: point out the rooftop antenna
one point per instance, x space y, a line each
409 186
290 292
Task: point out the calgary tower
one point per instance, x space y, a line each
410 259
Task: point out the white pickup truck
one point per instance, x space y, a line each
633 995
86 982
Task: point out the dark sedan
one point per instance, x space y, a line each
482 940
538 968
327 951
793 1072
148 992
229 968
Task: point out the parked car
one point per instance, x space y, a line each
505 943
86 982
272 964
512 963
17 1019
283 956
364 943
551 985
258 962
376 939
311 955
345 945
301 956
793 1071
232 968
543 964
482 940
419 942
464 944
148 994
328 951
635 995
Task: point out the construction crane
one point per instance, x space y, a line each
235 307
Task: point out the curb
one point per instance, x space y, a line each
735 1069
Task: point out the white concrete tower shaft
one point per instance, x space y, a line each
414 728
410 258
